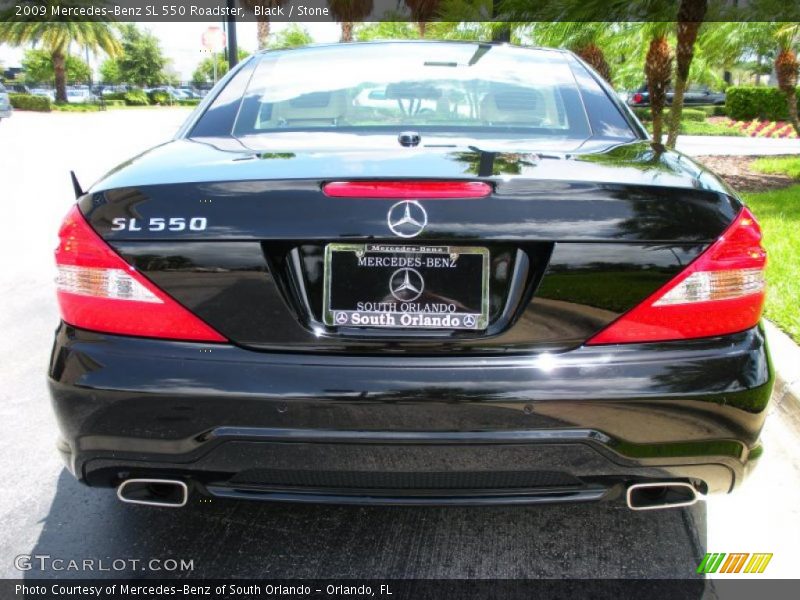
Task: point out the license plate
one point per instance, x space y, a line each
406 286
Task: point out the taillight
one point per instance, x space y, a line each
720 292
98 290
407 189
637 98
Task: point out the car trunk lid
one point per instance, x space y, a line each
571 240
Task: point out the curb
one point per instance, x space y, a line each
786 363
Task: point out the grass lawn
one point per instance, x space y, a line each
706 128
781 165
778 212
703 128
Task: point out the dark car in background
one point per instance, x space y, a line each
694 96
16 88
411 273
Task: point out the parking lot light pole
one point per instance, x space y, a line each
233 51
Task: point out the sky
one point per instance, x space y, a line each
181 42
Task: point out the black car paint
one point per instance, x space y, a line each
132 407
269 187
523 412
631 210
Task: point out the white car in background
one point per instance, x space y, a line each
80 96
43 92
189 93
5 103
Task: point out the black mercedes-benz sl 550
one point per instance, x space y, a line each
411 273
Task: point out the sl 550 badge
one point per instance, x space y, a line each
159 224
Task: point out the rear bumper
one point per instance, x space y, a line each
572 426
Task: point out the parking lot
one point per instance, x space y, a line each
45 512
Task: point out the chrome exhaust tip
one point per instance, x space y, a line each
169 493
666 494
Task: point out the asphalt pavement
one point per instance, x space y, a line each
44 511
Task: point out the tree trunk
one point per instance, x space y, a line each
658 68
676 112
502 33
422 25
262 33
60 70
690 18
687 35
759 58
791 99
786 66
347 31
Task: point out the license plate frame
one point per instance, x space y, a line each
474 317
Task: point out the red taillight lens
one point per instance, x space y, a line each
637 98
720 292
98 290
407 189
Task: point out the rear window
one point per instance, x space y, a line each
426 86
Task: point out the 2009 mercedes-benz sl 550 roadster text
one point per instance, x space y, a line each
409 273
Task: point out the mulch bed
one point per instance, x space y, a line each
735 170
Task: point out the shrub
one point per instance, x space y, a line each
160 98
136 98
113 102
693 114
688 114
749 102
718 110
189 102
64 107
115 96
29 102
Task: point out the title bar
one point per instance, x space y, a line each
388 10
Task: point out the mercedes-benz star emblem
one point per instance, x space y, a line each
469 321
407 218
341 318
406 284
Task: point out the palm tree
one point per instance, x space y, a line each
658 70
501 32
690 18
784 36
346 12
786 66
758 41
584 39
56 37
422 11
721 46
262 21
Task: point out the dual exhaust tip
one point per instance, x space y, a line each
174 493
169 493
